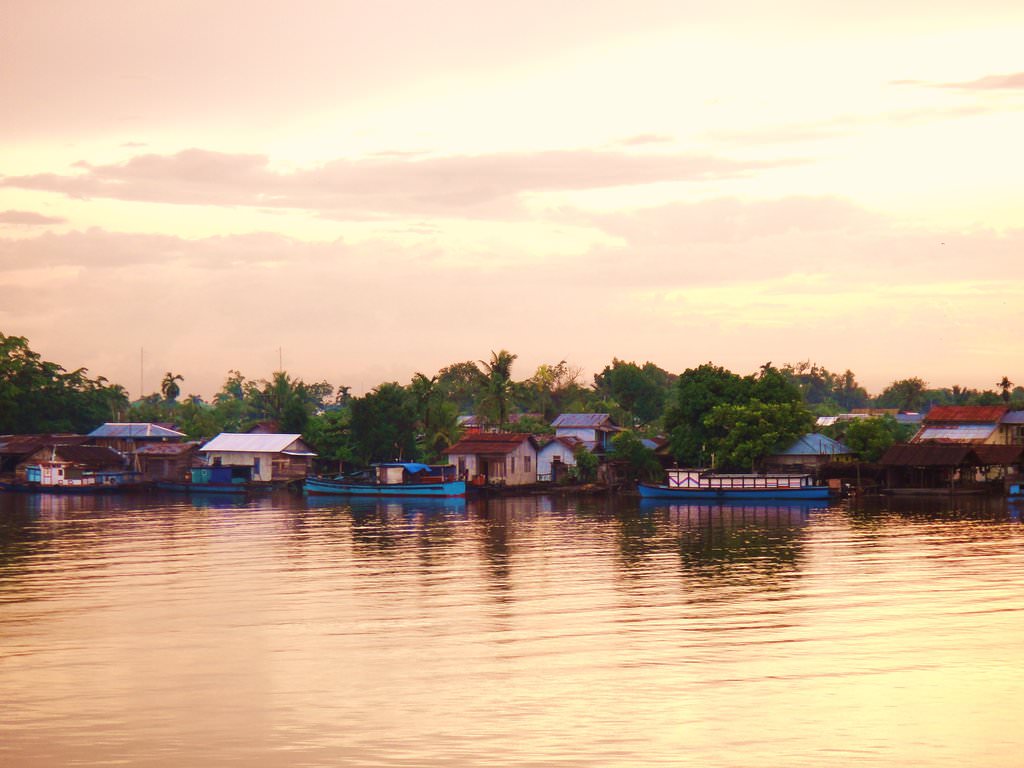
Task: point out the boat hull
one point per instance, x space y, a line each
452 489
803 493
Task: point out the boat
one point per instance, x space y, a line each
213 479
392 479
702 484
99 482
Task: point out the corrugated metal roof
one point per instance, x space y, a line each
999 454
964 433
91 456
24 444
490 442
814 444
134 429
236 442
1014 417
583 420
968 414
930 455
165 449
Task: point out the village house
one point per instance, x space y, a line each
504 458
594 430
73 466
14 449
949 466
555 457
268 457
807 454
972 425
165 461
126 437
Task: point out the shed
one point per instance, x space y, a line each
269 457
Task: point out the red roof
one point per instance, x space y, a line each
971 414
490 443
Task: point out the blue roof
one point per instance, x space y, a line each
587 420
814 444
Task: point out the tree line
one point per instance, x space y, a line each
708 414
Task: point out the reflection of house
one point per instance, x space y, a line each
165 461
73 466
594 430
555 457
14 449
807 453
972 424
269 458
509 458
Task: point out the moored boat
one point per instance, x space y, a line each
392 479
701 484
213 479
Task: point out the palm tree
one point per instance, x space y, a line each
498 384
1005 385
169 386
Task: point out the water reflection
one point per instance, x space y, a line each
543 630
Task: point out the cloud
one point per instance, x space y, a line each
28 218
467 185
990 83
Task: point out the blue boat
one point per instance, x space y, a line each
393 479
211 479
703 485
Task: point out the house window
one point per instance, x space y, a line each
513 470
526 464
256 466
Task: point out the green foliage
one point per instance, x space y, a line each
904 394
747 432
641 463
870 438
437 420
553 389
698 391
496 396
818 386
640 391
169 386
460 384
39 396
585 470
383 425
329 434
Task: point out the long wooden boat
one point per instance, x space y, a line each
393 479
210 479
700 484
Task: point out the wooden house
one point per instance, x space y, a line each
72 466
165 461
807 454
505 458
594 430
126 437
970 425
14 449
555 457
268 457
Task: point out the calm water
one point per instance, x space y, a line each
529 632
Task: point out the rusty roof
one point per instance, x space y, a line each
490 442
89 456
969 414
584 421
26 444
165 449
1001 455
929 455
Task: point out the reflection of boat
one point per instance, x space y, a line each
700 484
394 479
214 479
766 508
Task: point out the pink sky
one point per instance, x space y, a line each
374 189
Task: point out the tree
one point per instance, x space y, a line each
169 386
383 425
698 391
904 394
641 391
870 438
461 383
746 433
1005 386
585 468
497 386
640 461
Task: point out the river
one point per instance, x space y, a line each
158 631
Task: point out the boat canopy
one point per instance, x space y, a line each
411 467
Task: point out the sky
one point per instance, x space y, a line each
359 191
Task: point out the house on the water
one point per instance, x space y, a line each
71 466
126 437
14 449
594 430
555 457
267 457
165 461
504 458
